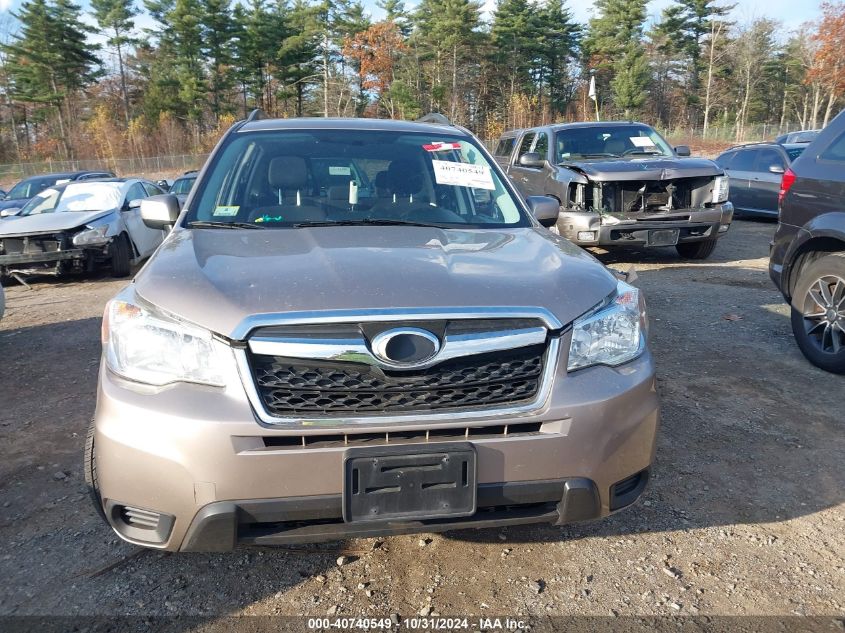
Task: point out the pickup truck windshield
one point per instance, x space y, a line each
609 141
293 178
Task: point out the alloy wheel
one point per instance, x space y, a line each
824 313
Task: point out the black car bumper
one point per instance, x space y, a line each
223 525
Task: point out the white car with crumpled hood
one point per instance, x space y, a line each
78 227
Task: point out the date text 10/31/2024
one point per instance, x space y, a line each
417 623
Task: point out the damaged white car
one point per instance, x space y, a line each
79 227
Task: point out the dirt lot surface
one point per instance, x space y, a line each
744 514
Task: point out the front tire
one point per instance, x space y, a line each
696 250
818 313
121 256
89 467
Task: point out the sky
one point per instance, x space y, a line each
792 13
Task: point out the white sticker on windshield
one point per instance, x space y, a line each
462 175
339 170
226 210
642 141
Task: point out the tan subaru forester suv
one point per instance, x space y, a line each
359 328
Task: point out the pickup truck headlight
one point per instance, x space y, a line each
721 188
146 346
92 237
612 335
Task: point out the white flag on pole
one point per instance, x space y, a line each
592 93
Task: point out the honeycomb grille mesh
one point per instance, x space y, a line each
291 387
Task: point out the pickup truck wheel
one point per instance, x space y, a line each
121 264
696 250
818 313
89 467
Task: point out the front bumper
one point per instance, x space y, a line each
702 224
32 259
198 458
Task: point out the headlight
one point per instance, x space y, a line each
91 237
612 335
721 186
155 349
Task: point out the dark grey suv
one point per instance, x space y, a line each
755 172
808 251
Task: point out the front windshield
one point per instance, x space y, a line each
183 185
609 141
29 187
288 178
83 196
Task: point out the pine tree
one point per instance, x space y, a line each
297 57
613 44
631 80
117 19
686 27
558 44
515 33
395 12
51 60
447 28
217 32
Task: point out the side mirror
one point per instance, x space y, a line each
544 208
683 150
134 204
160 212
7 213
531 159
776 169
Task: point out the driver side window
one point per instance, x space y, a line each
136 192
525 145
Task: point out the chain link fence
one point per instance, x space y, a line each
146 166
160 166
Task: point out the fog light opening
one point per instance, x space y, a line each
140 524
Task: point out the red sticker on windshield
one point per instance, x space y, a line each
439 146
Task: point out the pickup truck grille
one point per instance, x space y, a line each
303 387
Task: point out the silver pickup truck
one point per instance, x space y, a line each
621 184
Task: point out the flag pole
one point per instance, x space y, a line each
592 93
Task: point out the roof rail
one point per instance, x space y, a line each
435 117
256 115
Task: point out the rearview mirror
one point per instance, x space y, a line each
776 169
531 159
6 213
160 212
544 208
683 150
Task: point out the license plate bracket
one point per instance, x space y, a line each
409 483
662 237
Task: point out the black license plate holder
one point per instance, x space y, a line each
663 237
409 483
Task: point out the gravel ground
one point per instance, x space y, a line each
744 514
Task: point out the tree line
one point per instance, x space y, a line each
82 85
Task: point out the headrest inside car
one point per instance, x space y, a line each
404 177
287 172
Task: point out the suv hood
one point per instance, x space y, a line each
652 168
218 277
48 222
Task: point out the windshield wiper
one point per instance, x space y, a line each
652 152
365 222
209 224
